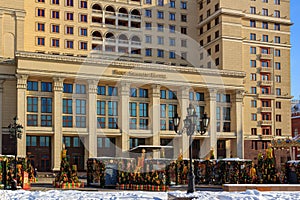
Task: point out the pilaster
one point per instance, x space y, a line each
155 116
57 122
92 138
183 97
124 89
21 112
239 95
1 111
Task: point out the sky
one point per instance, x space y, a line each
295 53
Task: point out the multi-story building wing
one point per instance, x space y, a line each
102 77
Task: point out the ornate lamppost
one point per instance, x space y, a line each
15 131
190 127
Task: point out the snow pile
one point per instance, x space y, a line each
137 195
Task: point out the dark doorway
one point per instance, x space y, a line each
196 149
75 151
221 152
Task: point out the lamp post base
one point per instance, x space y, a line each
191 183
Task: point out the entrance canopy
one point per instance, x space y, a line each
148 148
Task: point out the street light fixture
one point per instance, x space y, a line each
190 124
15 131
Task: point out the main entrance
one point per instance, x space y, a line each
75 151
39 152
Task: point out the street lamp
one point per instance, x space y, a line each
190 123
15 131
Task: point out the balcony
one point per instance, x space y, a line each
123 15
265 123
265 109
97 13
266 137
265 83
135 18
110 41
265 69
97 40
109 14
265 56
136 43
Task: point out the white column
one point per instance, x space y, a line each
155 117
211 142
124 88
57 122
92 138
21 112
1 112
183 97
239 123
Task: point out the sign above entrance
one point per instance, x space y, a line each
142 74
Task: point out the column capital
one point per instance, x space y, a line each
184 92
239 95
124 88
93 86
58 83
212 94
155 90
21 81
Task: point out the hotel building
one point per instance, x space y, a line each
102 77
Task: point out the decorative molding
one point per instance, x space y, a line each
155 91
22 81
130 65
93 86
58 84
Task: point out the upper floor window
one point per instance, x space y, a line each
69 3
277 13
252 10
55 2
46 87
40 26
68 88
41 12
183 5
172 4
143 93
32 85
148 13
277 2
80 89
112 91
265 12
69 16
83 18
83 4
55 14
160 2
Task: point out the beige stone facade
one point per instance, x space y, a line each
102 77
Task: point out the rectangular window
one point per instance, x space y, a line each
70 30
252 10
277 2
41 12
172 16
46 105
113 108
171 94
68 88
148 26
44 141
183 5
160 53
55 2
160 2
67 121
252 36
265 12
32 120
254 117
112 123
277 39
183 18
69 3
278 91
160 27
277 27
55 28
265 25
163 94
252 50
277 53
277 13
101 90
278 132
133 109
80 106
253 103
148 13
101 107
46 87
253 131
112 91
69 44
55 14
67 106
32 104
148 1
172 28
160 14
55 42
83 4
100 122
67 141
32 85
253 90
83 31
41 41
252 63
83 18
80 89
83 45
172 55
133 123
40 26
46 120
143 93
143 109
80 121
69 16
278 104
265 38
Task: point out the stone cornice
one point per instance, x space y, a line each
130 65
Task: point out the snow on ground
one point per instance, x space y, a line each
136 195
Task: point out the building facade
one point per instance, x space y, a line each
102 77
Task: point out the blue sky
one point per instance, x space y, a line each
295 54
